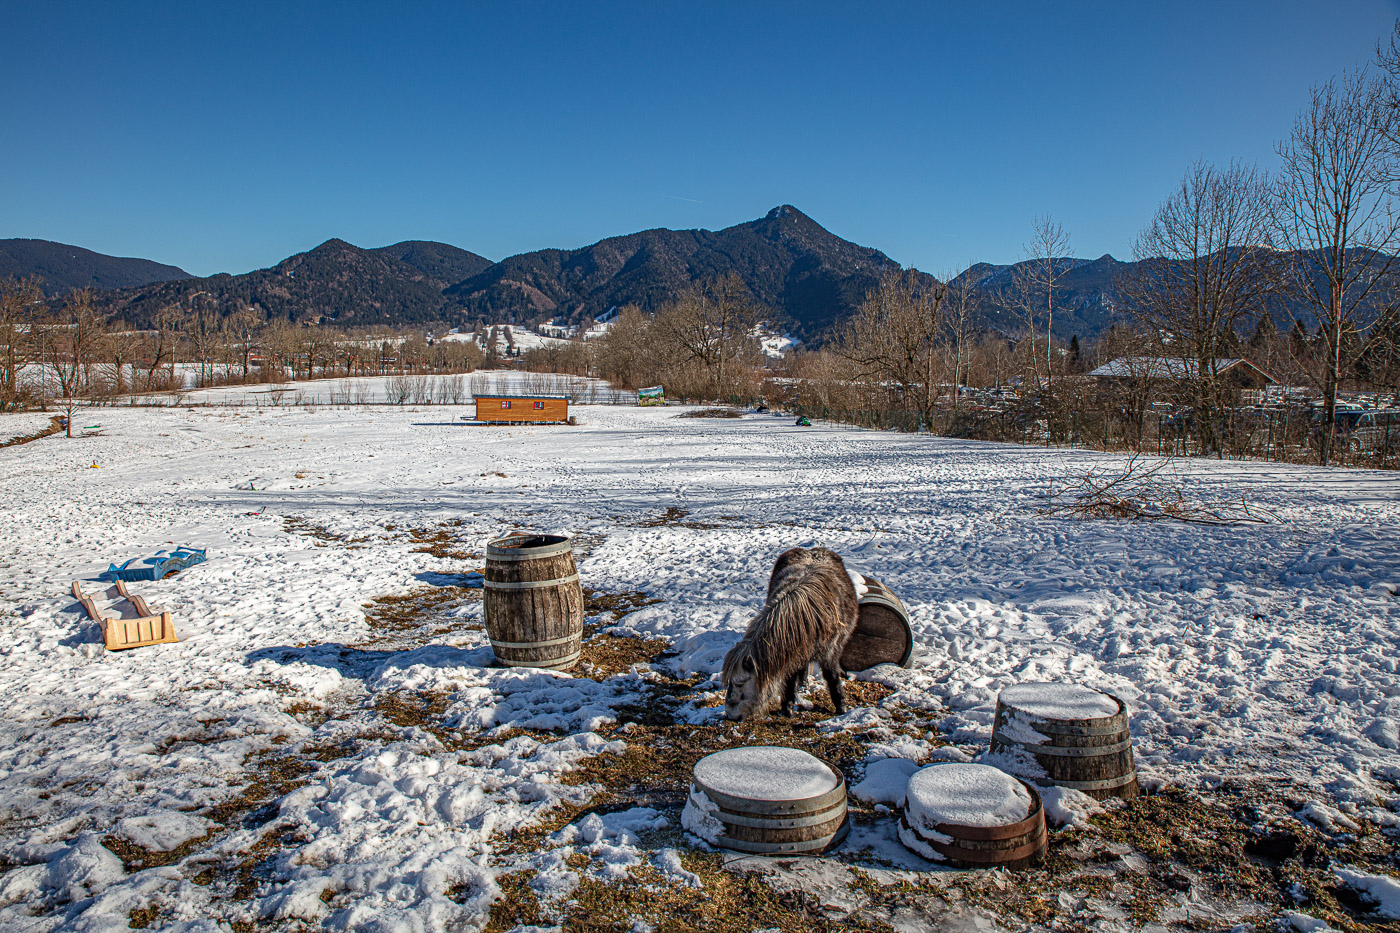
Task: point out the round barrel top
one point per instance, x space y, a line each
957 794
1063 702
527 547
769 773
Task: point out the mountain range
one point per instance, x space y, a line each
61 268
811 278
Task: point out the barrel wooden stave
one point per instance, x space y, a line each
781 827
533 601
1093 756
1015 845
882 634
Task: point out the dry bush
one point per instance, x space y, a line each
1139 491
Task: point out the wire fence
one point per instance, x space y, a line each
1282 434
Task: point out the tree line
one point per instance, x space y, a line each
76 353
1230 252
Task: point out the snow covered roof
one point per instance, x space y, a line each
1162 367
525 396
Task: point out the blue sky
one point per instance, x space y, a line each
224 137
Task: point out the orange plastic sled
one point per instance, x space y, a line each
144 627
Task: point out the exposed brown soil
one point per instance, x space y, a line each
55 427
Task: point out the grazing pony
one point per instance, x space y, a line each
809 615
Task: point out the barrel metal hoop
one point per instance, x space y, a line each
1113 725
990 856
549 643
784 822
531 584
1036 843
1055 751
552 664
508 555
787 848
1106 784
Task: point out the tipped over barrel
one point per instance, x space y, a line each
882 634
533 601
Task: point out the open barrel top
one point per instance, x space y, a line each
528 547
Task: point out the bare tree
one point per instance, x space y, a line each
627 352
19 304
1334 207
1205 267
895 335
202 332
241 332
68 344
120 349
712 324
163 338
962 304
1048 259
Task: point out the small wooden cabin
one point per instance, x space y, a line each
522 409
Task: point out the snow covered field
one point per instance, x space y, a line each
1265 654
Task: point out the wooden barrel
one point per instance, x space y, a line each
882 634
775 823
1013 844
1077 735
533 601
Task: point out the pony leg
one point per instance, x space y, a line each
797 679
833 675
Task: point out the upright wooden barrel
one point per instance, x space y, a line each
772 800
973 816
882 634
1078 736
533 601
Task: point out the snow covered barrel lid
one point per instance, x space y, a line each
1068 735
883 634
972 816
767 799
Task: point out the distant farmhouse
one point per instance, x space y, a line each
1239 374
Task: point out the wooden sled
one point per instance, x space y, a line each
146 627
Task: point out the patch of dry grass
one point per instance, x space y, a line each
713 413
444 540
726 902
422 612
295 524
674 517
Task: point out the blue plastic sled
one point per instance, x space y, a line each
153 568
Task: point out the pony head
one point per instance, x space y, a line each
745 695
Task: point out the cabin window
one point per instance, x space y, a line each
539 406
505 403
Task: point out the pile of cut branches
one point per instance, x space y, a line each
1139 491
